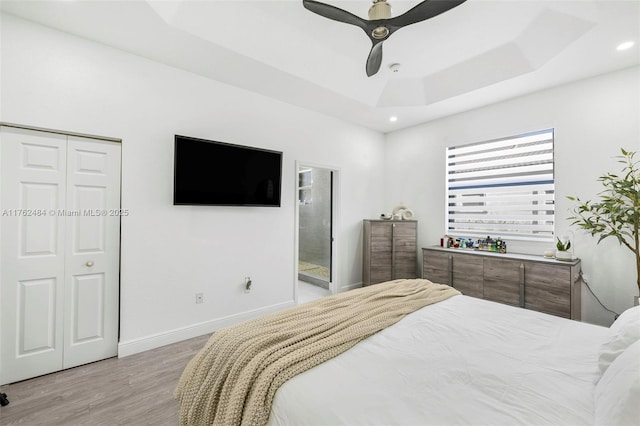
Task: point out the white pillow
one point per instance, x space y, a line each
625 331
617 395
629 317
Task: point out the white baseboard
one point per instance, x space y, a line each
350 287
143 344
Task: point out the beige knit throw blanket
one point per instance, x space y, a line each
233 379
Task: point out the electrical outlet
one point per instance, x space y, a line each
199 298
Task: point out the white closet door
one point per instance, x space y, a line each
60 229
32 174
92 251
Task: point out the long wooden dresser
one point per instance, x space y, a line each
531 282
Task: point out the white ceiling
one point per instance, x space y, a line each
478 53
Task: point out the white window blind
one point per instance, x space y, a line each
502 188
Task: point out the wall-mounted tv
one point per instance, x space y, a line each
222 174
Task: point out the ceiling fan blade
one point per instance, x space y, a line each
375 58
334 13
425 10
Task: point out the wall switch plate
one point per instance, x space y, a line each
199 298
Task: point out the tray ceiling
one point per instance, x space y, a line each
478 53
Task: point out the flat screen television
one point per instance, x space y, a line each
222 174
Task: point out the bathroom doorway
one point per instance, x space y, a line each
315 226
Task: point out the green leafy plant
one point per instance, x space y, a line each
617 212
563 246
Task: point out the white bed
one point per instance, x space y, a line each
474 362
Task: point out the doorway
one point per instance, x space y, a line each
316 189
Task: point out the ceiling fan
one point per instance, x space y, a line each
380 24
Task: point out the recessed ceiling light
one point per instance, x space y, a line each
393 119
626 45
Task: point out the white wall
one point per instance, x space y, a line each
54 80
592 119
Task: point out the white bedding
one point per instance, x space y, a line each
460 361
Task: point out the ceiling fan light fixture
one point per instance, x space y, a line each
380 33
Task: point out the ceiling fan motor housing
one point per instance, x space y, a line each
380 9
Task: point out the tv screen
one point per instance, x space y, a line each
222 174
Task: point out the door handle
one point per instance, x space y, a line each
89 263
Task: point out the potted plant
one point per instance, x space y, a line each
617 212
562 248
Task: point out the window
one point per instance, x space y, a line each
502 188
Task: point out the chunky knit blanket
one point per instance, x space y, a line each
233 379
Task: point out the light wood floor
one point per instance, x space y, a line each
136 390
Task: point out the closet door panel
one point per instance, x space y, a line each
92 251
88 306
32 173
36 315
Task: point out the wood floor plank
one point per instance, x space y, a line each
135 390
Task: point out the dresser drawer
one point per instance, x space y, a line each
435 260
468 274
548 289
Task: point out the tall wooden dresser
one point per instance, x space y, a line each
390 250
